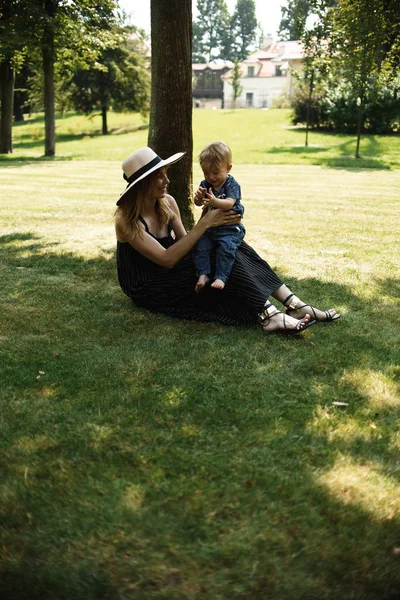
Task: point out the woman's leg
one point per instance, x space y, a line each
275 321
298 309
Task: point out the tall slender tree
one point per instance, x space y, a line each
316 51
358 37
11 53
119 78
69 31
235 81
210 27
244 24
170 128
294 17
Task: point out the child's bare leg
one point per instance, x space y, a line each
218 284
201 282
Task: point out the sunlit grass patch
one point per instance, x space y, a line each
364 485
378 388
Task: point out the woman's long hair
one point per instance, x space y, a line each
133 203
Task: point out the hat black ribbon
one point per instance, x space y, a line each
142 170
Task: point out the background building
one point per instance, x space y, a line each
266 74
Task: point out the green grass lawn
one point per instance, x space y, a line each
146 458
255 136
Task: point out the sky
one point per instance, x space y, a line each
268 12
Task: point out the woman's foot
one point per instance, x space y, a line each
201 282
296 308
275 321
218 284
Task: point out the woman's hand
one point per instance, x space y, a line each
214 218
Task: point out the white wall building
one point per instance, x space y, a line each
266 74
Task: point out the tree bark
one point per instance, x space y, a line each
48 73
104 127
170 127
310 92
18 108
7 78
360 117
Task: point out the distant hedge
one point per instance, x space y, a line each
334 109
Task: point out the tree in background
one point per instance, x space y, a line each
13 48
358 41
170 127
244 26
119 79
392 42
315 64
7 76
208 30
57 33
217 34
234 80
294 17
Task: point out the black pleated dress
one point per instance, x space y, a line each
171 291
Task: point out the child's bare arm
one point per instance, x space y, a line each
223 203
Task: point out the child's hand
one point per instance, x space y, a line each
199 196
209 199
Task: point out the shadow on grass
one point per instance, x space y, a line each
369 148
21 144
158 458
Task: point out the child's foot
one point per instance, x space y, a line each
201 282
218 284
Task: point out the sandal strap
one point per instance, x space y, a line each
264 315
286 299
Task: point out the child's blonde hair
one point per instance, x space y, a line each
215 153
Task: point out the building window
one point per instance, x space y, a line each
249 98
278 72
250 71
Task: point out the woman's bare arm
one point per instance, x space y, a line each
177 225
169 257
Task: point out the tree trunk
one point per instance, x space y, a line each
7 77
310 93
104 128
48 73
359 129
18 108
170 127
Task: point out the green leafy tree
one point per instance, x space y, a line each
392 41
209 29
235 81
245 27
316 61
358 40
7 77
64 33
294 18
119 79
13 48
217 34
228 44
198 54
170 127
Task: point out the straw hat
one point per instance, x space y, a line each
143 162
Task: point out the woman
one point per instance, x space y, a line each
155 266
